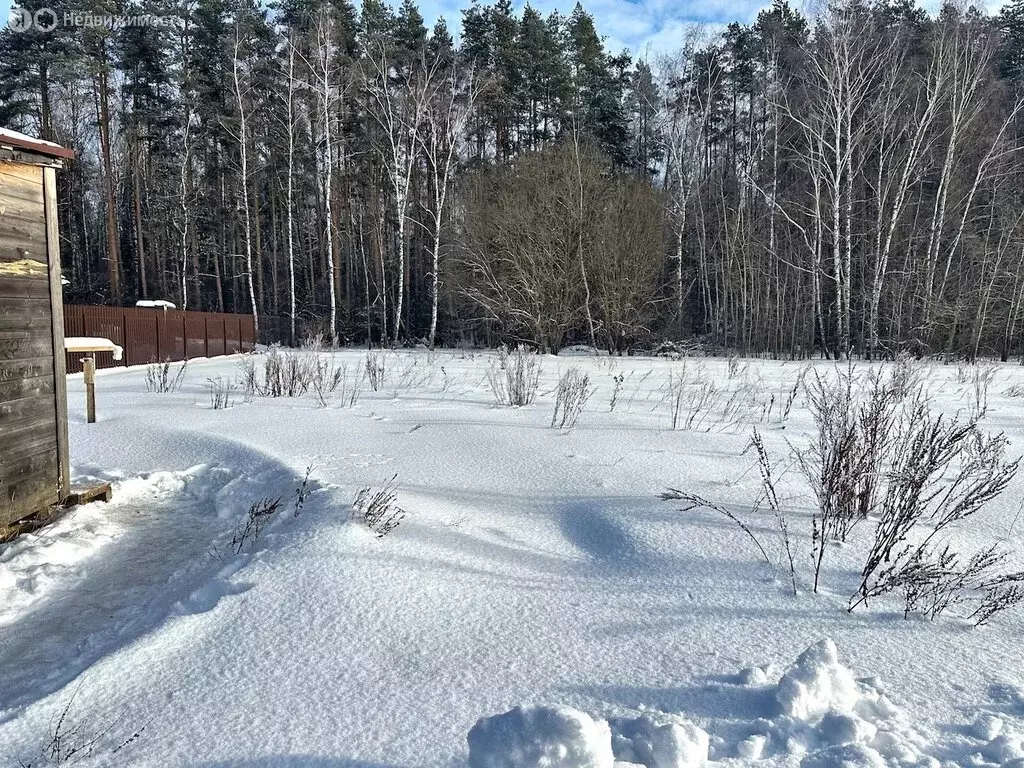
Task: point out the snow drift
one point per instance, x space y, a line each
552 737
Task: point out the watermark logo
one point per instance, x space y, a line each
19 20
47 19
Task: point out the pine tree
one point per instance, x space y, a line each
598 79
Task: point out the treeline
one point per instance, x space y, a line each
849 183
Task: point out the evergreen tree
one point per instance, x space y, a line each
598 80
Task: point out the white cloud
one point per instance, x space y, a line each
645 27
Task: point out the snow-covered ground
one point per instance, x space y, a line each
535 566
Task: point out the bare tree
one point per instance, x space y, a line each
292 84
243 148
685 140
396 101
325 92
449 102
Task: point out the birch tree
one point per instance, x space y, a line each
449 102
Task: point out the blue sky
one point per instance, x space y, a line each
642 25
646 27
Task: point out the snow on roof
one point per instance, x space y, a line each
155 303
92 344
24 141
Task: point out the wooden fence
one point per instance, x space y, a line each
151 335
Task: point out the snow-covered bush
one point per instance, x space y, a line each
769 496
247 378
617 381
693 501
691 398
160 380
72 742
881 453
540 737
573 392
515 378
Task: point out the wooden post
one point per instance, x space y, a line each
60 382
89 377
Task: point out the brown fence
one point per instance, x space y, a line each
151 334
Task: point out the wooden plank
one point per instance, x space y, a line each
29 464
28 368
23 477
25 502
31 406
35 386
32 430
45 516
57 332
86 495
23 226
21 183
24 287
23 315
32 496
36 150
20 345
22 216
28 307
21 259
30 439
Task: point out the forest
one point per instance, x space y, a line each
843 183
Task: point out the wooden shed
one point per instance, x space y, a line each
33 389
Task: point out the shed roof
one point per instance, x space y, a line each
21 141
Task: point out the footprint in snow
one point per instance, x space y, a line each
366 459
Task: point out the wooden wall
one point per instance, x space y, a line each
33 410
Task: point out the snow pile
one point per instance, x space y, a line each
816 684
836 719
987 727
558 737
1006 750
92 344
36 564
666 742
540 737
845 756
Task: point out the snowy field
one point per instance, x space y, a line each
535 566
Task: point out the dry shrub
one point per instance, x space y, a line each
221 391
574 391
375 369
515 378
249 530
379 509
942 472
160 380
855 417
